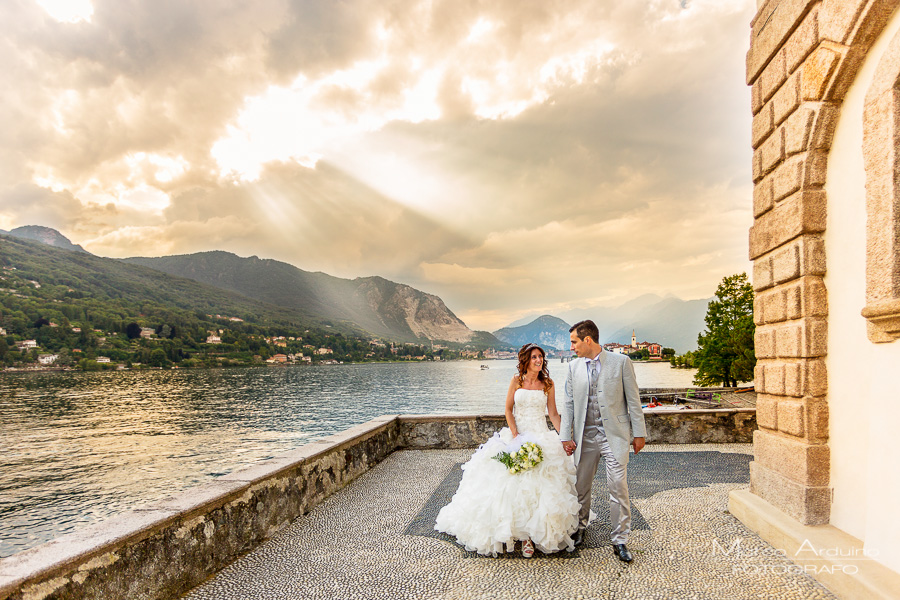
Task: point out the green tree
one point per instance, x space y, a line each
726 355
133 331
158 358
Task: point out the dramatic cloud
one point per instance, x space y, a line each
508 156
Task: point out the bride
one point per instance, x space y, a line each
493 507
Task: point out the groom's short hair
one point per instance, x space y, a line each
584 329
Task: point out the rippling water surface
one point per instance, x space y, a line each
78 447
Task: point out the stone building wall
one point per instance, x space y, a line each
805 57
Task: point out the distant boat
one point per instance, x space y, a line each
483 367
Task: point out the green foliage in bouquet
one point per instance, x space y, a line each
528 456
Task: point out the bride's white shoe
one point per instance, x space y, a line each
527 549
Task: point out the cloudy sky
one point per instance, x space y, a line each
511 156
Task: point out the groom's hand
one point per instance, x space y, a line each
569 446
638 444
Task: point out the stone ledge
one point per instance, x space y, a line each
883 320
809 546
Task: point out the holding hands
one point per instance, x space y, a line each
569 447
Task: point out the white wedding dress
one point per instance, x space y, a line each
493 508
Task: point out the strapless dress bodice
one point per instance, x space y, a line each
530 411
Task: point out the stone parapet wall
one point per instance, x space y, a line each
725 426
168 547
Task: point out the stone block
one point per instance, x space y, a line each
756 102
793 382
816 414
757 165
806 298
762 274
787 178
773 77
758 311
788 344
797 130
793 302
786 99
815 297
771 28
774 379
812 250
797 460
786 263
773 306
791 417
810 505
764 342
816 169
759 377
825 124
816 72
802 41
838 18
763 199
815 337
762 125
771 152
800 213
815 378
767 411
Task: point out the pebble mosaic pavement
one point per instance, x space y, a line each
374 539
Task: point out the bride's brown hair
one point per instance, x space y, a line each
543 375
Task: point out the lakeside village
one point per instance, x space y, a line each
643 351
146 347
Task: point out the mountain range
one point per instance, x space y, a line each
366 305
374 304
547 331
669 321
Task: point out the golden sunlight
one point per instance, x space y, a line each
68 11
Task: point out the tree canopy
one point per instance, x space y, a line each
726 354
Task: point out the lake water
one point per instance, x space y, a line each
78 447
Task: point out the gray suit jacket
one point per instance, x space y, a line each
619 398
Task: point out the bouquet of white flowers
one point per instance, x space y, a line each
527 456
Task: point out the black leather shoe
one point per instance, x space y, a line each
622 552
578 537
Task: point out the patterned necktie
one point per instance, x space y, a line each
595 372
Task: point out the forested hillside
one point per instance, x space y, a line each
82 307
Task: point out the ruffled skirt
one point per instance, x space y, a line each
493 508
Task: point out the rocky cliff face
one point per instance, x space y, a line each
402 307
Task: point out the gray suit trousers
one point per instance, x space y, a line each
594 447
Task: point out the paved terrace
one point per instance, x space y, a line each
375 539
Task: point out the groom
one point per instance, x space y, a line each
602 408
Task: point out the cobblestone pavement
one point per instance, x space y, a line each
374 539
